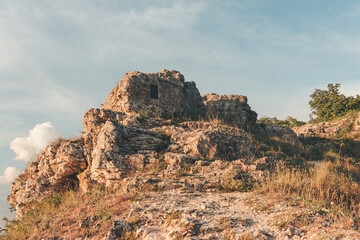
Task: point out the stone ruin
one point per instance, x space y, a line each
166 93
159 94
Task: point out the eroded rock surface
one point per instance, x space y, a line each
53 170
119 141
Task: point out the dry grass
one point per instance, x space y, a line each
70 214
336 184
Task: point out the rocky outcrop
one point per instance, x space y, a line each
349 125
232 109
119 142
115 144
53 170
116 148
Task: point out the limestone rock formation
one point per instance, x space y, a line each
211 142
168 178
113 147
119 140
52 170
232 109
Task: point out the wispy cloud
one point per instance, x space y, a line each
67 54
26 148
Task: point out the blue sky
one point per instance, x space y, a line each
60 58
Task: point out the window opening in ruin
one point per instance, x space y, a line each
154 91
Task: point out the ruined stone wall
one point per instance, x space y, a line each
155 94
166 93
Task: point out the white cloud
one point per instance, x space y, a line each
39 137
9 175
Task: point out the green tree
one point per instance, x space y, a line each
329 104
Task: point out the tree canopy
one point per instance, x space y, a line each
329 104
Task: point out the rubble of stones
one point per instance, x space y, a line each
126 145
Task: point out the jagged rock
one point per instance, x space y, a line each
113 148
232 109
155 94
176 160
52 170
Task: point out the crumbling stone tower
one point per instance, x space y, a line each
155 94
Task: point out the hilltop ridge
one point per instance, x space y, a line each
160 161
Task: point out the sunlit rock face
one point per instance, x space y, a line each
53 170
155 94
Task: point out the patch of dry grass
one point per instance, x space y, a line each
336 184
70 214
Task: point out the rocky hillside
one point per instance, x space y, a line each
146 167
347 126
